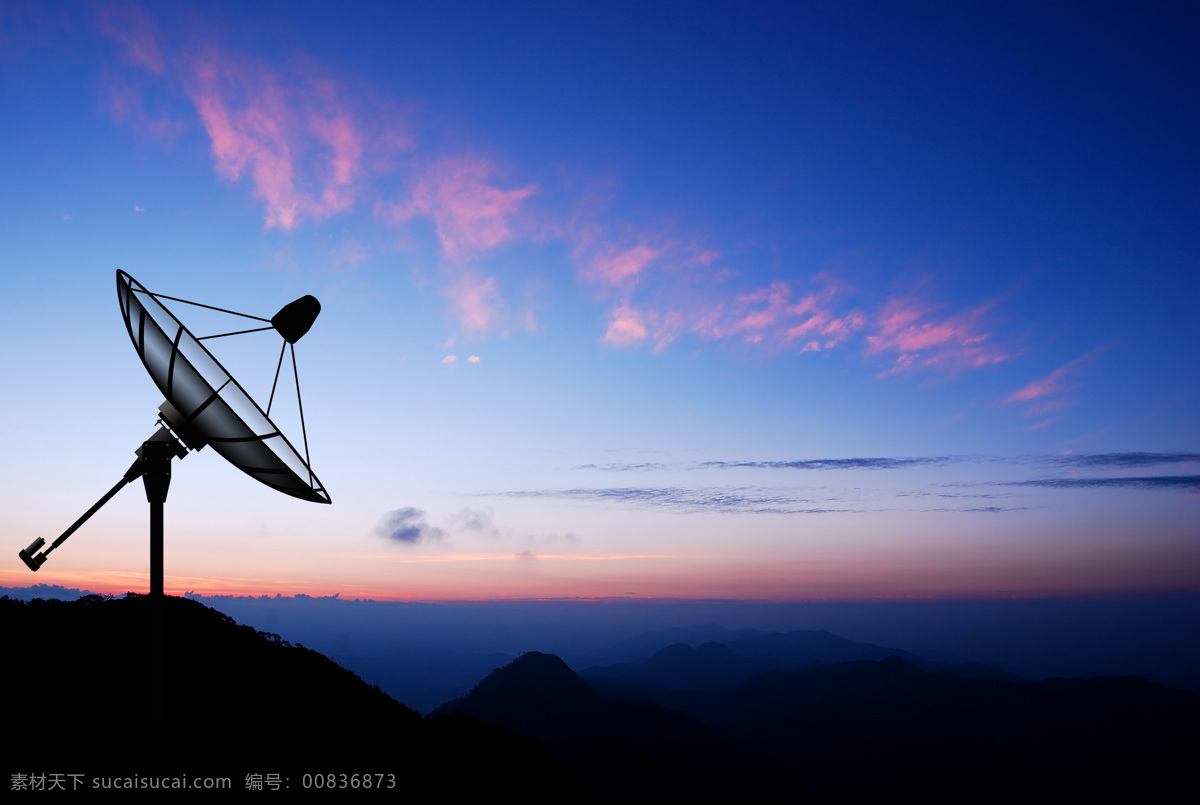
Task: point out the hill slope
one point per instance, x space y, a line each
238 702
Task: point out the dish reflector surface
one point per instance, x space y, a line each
212 402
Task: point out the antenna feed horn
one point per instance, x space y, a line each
34 561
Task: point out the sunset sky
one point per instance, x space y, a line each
780 301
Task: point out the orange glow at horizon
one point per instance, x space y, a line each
482 577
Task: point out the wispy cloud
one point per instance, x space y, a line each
981 509
838 463
1187 482
1124 460
817 499
408 526
620 267
295 135
1052 384
923 493
777 316
736 500
626 328
470 211
783 316
471 214
135 31
477 301
621 467
762 500
477 520
773 317
128 104
918 338
295 140
1051 393
683 499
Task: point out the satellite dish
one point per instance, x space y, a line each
204 406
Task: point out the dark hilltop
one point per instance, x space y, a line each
238 702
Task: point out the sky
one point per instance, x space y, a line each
764 301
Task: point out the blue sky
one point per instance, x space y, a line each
780 301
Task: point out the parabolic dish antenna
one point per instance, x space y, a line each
204 406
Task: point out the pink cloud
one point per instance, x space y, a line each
907 328
470 213
629 327
1051 384
294 134
473 359
1049 394
668 328
299 147
615 255
476 301
847 324
450 360
626 329
767 315
770 316
616 267
340 171
768 305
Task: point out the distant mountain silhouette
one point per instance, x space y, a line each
641 646
619 745
799 648
237 702
711 665
890 731
681 667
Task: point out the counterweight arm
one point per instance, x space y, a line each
36 560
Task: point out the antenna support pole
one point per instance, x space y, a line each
156 454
